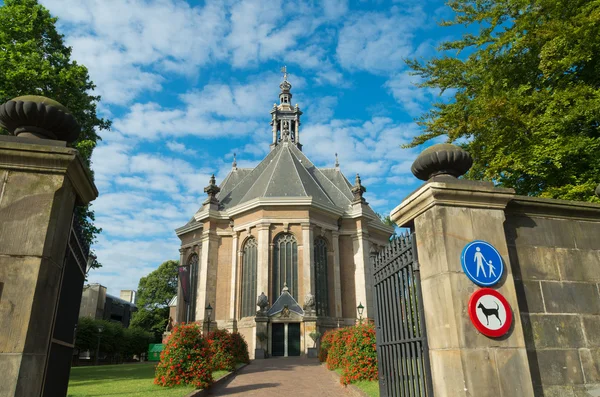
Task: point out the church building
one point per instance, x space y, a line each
280 250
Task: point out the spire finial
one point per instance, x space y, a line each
234 164
285 288
337 162
212 189
358 190
284 71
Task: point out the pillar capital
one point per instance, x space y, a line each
453 193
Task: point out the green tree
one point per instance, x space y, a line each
525 84
35 61
154 293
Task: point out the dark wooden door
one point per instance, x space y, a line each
293 339
278 340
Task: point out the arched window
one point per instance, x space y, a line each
249 278
192 264
285 265
320 269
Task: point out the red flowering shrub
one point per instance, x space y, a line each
360 356
185 359
326 341
336 352
240 348
227 350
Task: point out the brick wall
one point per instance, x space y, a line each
554 250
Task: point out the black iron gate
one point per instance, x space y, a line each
62 339
402 351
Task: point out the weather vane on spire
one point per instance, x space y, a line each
284 71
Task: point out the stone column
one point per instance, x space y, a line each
447 214
207 275
308 280
337 280
362 274
234 272
297 129
41 181
181 303
262 267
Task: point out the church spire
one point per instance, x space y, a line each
285 119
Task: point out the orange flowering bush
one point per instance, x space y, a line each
353 350
325 345
185 360
336 352
360 359
227 350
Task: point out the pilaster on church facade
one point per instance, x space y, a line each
283 249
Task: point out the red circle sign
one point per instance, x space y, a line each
490 312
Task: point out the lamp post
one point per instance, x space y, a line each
360 309
100 329
209 310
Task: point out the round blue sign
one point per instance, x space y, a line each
482 263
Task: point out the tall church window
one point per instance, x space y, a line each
193 269
285 265
320 269
249 278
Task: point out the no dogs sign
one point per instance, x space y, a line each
490 312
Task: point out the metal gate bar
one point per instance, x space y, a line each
402 351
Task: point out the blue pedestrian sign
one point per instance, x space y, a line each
482 263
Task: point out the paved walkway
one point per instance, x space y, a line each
283 377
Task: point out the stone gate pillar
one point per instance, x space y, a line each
41 181
446 214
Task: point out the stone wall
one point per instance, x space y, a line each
554 250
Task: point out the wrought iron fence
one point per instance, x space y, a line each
402 352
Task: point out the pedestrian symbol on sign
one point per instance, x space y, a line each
482 263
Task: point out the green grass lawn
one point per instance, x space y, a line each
124 380
370 388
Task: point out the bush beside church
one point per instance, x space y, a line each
353 350
189 358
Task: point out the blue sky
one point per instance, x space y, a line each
187 84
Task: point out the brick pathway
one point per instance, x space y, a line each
283 377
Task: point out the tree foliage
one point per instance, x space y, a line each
525 85
35 61
154 293
114 339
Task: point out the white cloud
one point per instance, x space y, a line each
180 148
378 42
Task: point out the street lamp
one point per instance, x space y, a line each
360 308
209 310
100 329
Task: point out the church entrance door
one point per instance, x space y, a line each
293 339
278 340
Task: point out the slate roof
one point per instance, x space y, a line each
285 299
285 172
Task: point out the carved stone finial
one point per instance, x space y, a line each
309 303
234 164
285 288
212 189
337 162
442 159
598 190
358 190
262 302
33 116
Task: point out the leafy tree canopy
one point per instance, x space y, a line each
525 85
154 293
35 61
